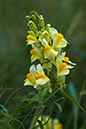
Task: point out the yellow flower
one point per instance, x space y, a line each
62 70
41 79
66 59
31 39
59 126
30 76
58 39
50 53
44 38
37 78
62 67
36 53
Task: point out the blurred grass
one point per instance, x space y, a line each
68 16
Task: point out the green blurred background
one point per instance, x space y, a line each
67 16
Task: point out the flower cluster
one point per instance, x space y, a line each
47 44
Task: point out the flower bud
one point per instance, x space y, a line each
32 26
41 22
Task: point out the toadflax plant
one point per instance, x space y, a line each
48 76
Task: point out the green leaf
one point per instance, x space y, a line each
5 125
4 109
44 92
2 93
59 106
84 125
53 94
11 96
21 108
83 92
59 99
2 113
6 89
68 95
73 92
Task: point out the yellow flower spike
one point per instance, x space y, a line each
59 126
66 59
40 75
59 37
30 77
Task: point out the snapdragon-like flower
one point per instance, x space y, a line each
62 67
41 79
31 39
50 53
37 78
44 38
66 59
36 53
30 76
58 39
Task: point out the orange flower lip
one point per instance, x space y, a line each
40 75
30 77
62 65
59 37
66 59
33 52
47 48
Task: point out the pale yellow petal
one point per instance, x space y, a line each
42 81
72 63
27 82
33 58
64 71
58 61
61 44
53 33
69 66
40 69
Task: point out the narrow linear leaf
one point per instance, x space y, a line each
53 94
67 94
59 106
5 125
11 96
6 89
59 99
2 113
83 92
